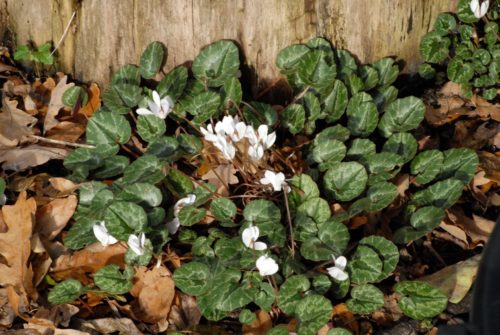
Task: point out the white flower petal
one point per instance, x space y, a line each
259 246
187 201
337 273
144 111
240 132
134 243
474 5
266 265
340 262
173 226
156 98
250 235
484 8
262 130
102 235
250 134
271 138
275 179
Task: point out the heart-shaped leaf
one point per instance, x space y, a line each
420 300
151 60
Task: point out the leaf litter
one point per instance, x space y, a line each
154 303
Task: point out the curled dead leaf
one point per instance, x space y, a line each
56 103
455 280
15 245
20 159
53 217
154 291
15 124
88 260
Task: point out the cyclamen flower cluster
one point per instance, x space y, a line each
158 107
265 264
136 243
231 130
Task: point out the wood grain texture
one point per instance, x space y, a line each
108 34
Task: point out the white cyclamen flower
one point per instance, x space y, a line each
479 10
136 243
174 225
102 235
338 271
266 265
267 140
250 236
256 152
187 201
277 180
158 107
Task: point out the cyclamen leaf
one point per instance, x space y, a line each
113 102
314 70
459 71
387 71
460 163
190 215
366 299
387 251
150 127
338 331
178 183
434 48
151 60
174 83
111 167
223 209
141 193
261 211
427 218
313 312
124 218
130 94
383 96
365 266
127 74
329 151
402 115
111 280
345 181
104 128
66 292
192 278
427 165
420 300
361 147
335 103
145 169
362 115
370 77
294 117
381 195
402 144
291 291
71 95
442 194
445 23
216 63
232 93
464 12
337 132
315 208
407 234
288 58
164 147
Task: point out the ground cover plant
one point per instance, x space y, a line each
187 206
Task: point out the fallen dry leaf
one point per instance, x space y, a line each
94 102
473 232
455 280
53 217
186 314
15 124
88 260
63 185
222 176
490 163
390 312
4 68
343 317
15 245
486 109
111 325
56 103
7 313
20 159
260 326
154 291
66 131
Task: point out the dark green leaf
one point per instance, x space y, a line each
124 218
111 280
387 251
313 312
145 169
150 127
460 163
192 278
464 12
459 72
223 209
434 48
442 194
70 96
402 115
190 215
420 300
365 265
402 144
366 299
151 60
361 147
335 103
294 117
174 83
288 58
216 63
445 23
381 195
66 292
104 128
427 218
387 71
345 181
362 115
426 165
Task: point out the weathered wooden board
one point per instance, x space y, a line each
107 34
